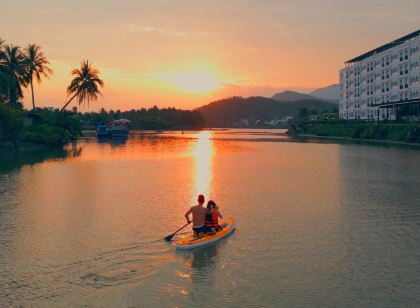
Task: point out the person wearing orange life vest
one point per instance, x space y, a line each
212 216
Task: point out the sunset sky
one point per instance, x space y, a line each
185 53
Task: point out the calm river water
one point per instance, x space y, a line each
318 224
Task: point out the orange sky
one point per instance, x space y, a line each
185 53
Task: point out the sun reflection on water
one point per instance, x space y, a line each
202 153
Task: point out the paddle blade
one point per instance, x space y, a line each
169 238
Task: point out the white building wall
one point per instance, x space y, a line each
388 76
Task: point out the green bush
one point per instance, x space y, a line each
47 127
11 122
45 134
66 120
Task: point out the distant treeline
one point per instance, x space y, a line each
153 118
227 112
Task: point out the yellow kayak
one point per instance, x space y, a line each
190 242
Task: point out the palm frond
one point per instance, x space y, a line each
37 63
12 67
85 84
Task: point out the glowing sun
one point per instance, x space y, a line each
194 81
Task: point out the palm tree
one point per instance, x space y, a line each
12 65
3 77
85 85
36 66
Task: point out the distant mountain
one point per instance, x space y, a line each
331 93
291 96
226 112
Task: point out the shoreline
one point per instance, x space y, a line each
384 141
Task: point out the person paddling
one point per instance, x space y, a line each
198 216
212 216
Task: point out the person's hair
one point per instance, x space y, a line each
200 199
211 204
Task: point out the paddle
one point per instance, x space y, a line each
169 237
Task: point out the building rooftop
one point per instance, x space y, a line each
382 48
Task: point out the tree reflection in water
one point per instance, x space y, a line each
15 159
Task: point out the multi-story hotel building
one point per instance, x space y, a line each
384 83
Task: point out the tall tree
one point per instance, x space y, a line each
12 64
85 84
36 66
3 77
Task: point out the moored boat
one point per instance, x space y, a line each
116 129
102 131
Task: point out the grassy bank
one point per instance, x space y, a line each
409 133
38 127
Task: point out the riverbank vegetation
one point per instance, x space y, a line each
152 118
40 126
401 132
20 68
